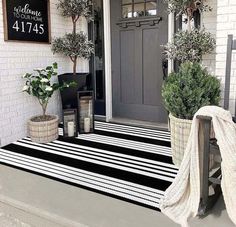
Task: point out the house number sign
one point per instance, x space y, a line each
27 20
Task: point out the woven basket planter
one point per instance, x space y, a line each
180 131
43 131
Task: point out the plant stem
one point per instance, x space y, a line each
74 25
44 107
74 65
189 24
189 17
74 60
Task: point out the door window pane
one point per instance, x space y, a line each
151 8
139 10
127 11
126 2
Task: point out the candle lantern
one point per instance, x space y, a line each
85 111
70 128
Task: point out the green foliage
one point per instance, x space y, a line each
190 45
73 45
190 89
75 8
187 7
39 84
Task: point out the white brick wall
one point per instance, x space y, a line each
226 24
18 58
221 22
209 20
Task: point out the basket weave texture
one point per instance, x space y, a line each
43 132
180 131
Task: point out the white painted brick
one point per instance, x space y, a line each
18 58
232 17
223 3
223 18
221 22
232 2
226 24
223 10
221 57
221 41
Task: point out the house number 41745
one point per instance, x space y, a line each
28 27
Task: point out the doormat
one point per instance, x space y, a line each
125 162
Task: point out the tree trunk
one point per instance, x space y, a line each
74 59
74 26
44 107
74 65
189 24
189 17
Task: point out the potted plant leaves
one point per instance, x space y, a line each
43 128
192 87
74 45
193 43
184 93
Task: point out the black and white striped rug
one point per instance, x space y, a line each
126 162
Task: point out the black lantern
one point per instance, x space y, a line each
70 128
85 111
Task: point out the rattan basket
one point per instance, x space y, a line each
45 131
180 131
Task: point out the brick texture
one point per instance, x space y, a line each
209 20
17 58
226 24
221 21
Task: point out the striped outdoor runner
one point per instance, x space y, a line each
126 162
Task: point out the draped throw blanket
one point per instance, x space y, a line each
181 200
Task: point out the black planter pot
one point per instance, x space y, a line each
69 95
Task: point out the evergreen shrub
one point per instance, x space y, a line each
189 89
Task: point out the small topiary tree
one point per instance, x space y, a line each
74 45
192 44
187 7
186 91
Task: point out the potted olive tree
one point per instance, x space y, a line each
187 90
74 45
187 8
43 128
193 43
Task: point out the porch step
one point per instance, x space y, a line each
163 135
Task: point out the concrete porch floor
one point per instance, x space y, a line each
39 201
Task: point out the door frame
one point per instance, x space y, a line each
107 54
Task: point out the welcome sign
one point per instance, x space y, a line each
27 20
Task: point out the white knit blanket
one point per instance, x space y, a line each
182 198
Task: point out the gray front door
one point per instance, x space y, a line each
139 28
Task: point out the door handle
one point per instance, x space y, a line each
165 68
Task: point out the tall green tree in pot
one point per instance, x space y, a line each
192 87
74 45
